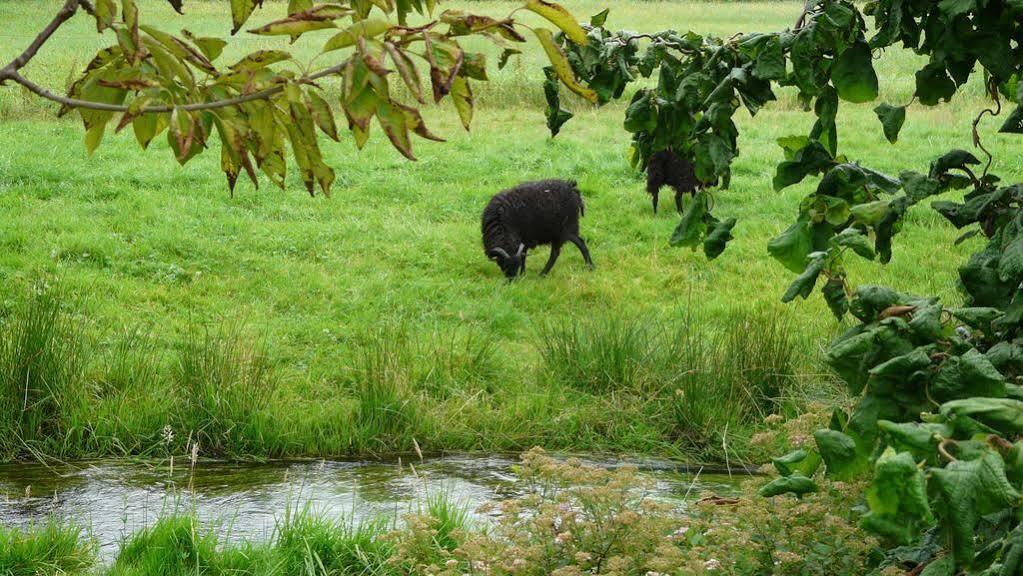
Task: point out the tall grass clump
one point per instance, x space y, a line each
305 543
177 545
225 383
612 353
727 377
47 549
42 377
386 413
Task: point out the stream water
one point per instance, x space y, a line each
114 498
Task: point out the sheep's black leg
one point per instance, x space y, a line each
653 195
555 252
678 201
582 248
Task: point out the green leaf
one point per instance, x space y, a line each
840 454
953 8
836 297
692 226
106 12
853 74
892 118
856 241
561 18
870 213
968 375
461 93
370 28
93 136
1014 123
804 283
556 115
792 246
933 84
897 498
770 62
795 484
1002 414
719 233
597 20
797 462
965 491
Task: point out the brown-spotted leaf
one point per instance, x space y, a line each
233 134
445 57
210 46
365 29
406 69
316 18
134 111
180 49
561 18
260 59
392 120
414 120
130 84
322 114
461 93
474 66
129 37
561 66
359 102
508 32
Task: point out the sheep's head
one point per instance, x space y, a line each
511 264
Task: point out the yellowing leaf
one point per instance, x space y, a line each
406 69
318 18
240 12
105 11
461 93
561 66
93 136
392 120
561 18
210 46
322 114
366 29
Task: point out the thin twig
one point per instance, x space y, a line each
196 106
65 13
993 92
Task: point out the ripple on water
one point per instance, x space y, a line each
114 498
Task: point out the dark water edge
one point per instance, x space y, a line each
111 499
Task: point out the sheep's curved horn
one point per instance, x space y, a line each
522 247
497 252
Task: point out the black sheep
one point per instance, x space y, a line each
668 168
528 215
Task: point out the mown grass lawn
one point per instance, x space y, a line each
377 308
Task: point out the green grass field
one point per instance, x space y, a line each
272 324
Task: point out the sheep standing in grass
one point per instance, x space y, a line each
528 215
668 168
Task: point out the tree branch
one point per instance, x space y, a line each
66 12
196 106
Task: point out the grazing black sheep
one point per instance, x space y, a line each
668 168
528 215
